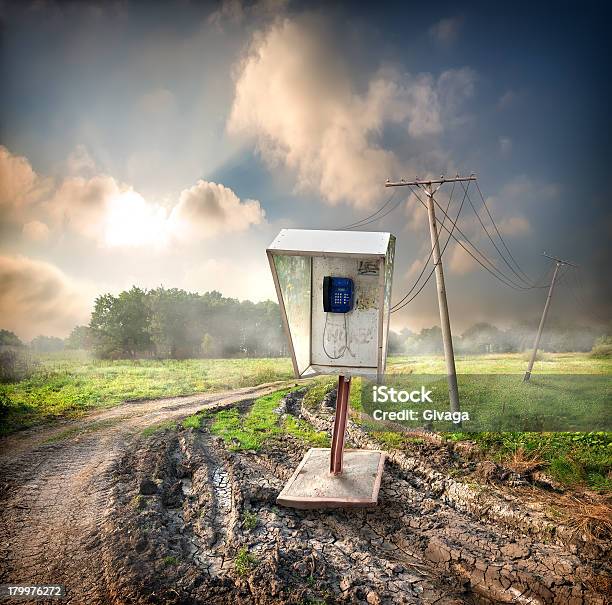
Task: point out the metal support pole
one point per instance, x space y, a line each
536 344
337 447
449 355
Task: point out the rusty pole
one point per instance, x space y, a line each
337 447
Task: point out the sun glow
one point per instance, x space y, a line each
131 221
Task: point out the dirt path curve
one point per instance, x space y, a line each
54 490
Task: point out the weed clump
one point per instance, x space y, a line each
171 560
249 520
245 562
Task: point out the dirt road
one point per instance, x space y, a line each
174 517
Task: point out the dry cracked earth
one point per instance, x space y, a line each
118 516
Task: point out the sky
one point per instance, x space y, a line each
167 144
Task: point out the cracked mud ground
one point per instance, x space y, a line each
175 517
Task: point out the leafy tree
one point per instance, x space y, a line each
9 339
80 338
481 338
395 343
207 345
120 325
177 324
47 344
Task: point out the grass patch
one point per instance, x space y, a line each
395 440
69 384
572 459
244 562
317 391
501 363
251 431
304 431
249 520
159 426
192 422
170 560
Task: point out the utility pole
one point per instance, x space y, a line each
449 355
536 344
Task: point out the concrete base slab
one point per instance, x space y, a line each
313 486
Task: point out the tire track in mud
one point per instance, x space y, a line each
302 556
123 518
413 548
56 491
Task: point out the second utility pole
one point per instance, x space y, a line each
536 344
447 338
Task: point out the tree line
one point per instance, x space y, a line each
483 337
173 323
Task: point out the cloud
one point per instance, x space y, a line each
131 221
460 261
445 31
509 99
158 102
514 226
524 189
36 231
37 298
112 213
297 101
207 209
20 186
235 11
80 163
81 204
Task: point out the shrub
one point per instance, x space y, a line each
602 347
5 404
244 562
15 364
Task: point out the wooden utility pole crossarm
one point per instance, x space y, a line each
440 181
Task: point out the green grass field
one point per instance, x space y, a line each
503 363
69 385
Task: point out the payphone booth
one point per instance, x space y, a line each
334 292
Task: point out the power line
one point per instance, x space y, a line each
398 308
518 275
515 286
399 302
484 203
428 256
357 223
504 278
434 235
577 290
376 219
